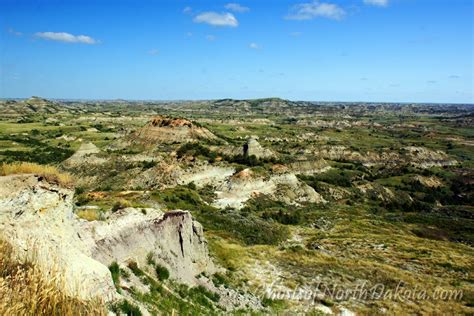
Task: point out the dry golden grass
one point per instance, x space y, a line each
25 291
89 215
51 173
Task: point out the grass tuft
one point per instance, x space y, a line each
25 291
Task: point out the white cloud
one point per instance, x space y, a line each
210 38
188 10
311 10
66 37
254 46
16 33
217 19
236 7
379 3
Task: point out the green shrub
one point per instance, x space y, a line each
283 217
126 308
220 279
148 164
79 190
162 272
120 205
250 229
196 149
115 271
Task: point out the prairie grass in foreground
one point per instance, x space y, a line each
51 173
25 291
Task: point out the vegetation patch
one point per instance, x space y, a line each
50 173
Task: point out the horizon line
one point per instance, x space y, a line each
243 99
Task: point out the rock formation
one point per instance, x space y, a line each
253 148
167 130
37 218
174 239
286 187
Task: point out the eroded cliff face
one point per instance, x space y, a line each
174 240
37 218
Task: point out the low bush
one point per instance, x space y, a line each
250 229
120 205
127 308
196 149
162 272
115 271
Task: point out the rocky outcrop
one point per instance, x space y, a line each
286 187
429 182
418 156
168 174
427 158
174 240
37 218
206 175
253 148
309 167
167 130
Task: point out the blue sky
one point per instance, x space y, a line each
329 50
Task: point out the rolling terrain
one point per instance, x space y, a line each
291 196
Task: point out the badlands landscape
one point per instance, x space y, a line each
246 207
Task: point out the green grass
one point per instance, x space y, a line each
115 272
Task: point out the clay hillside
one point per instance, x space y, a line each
162 129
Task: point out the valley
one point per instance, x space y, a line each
270 196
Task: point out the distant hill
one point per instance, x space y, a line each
162 129
29 106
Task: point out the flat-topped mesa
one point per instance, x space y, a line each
162 121
162 129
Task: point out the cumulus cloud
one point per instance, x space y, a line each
379 3
236 7
254 46
66 37
311 10
217 19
